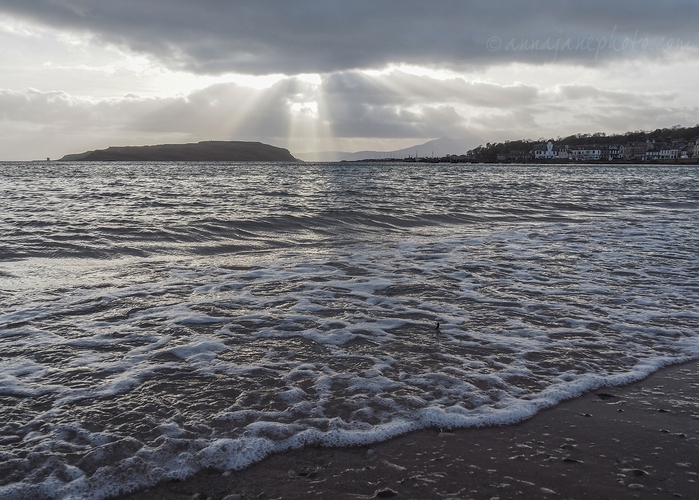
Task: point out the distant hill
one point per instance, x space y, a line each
438 148
201 151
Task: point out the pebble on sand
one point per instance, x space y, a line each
385 493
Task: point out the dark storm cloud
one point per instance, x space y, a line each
311 36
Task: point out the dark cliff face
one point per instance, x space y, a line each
201 151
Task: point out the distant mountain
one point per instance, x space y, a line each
201 151
438 148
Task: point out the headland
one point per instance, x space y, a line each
200 151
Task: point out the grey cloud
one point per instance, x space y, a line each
446 116
589 92
534 123
223 111
33 106
307 36
353 104
223 107
517 123
406 89
388 106
376 121
633 117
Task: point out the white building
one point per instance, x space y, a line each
663 154
550 153
693 148
586 153
669 154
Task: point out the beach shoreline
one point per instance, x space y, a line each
635 441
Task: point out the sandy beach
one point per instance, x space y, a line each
637 441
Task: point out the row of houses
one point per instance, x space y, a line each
632 151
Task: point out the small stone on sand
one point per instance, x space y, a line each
385 493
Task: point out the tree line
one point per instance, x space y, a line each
672 134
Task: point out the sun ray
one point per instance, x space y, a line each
255 113
311 121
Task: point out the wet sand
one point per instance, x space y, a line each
637 441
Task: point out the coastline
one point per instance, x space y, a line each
634 441
532 162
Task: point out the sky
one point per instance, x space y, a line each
339 75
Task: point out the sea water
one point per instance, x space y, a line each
157 319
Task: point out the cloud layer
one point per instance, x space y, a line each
333 113
307 36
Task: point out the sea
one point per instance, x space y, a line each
158 319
